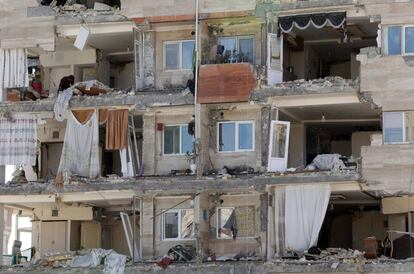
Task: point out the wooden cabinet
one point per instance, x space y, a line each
52 237
90 235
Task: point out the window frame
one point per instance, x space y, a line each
181 153
238 37
403 27
179 238
217 221
404 129
180 54
236 141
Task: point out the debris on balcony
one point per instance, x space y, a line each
302 87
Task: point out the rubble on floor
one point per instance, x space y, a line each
330 84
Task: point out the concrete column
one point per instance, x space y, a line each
147 228
148 144
3 95
2 175
266 112
3 246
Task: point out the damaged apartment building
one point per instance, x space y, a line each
257 136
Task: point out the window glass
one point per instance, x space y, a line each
226 223
246 49
186 141
246 136
394 40
171 225
393 127
409 40
227 140
279 141
172 140
24 222
26 238
188 51
230 47
187 223
172 56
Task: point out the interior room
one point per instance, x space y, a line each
329 129
313 53
62 226
52 135
351 217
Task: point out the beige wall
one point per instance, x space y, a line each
231 247
388 167
20 31
143 8
359 139
232 159
165 79
154 160
162 246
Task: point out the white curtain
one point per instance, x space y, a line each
80 153
18 140
13 68
301 212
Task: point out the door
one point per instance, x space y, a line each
53 237
278 146
274 59
90 235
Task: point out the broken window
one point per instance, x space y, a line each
177 140
235 136
179 55
178 224
235 222
396 127
237 49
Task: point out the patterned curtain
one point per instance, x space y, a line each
18 140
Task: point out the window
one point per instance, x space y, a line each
178 224
394 40
235 222
396 127
400 40
177 140
178 55
237 49
235 136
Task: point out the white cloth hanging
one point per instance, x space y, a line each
62 103
13 68
80 153
126 166
305 208
18 140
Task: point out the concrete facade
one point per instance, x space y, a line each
335 85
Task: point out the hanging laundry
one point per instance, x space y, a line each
18 140
85 114
62 103
13 68
80 153
117 130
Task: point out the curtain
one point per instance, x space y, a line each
318 20
13 68
117 130
18 140
300 212
80 153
